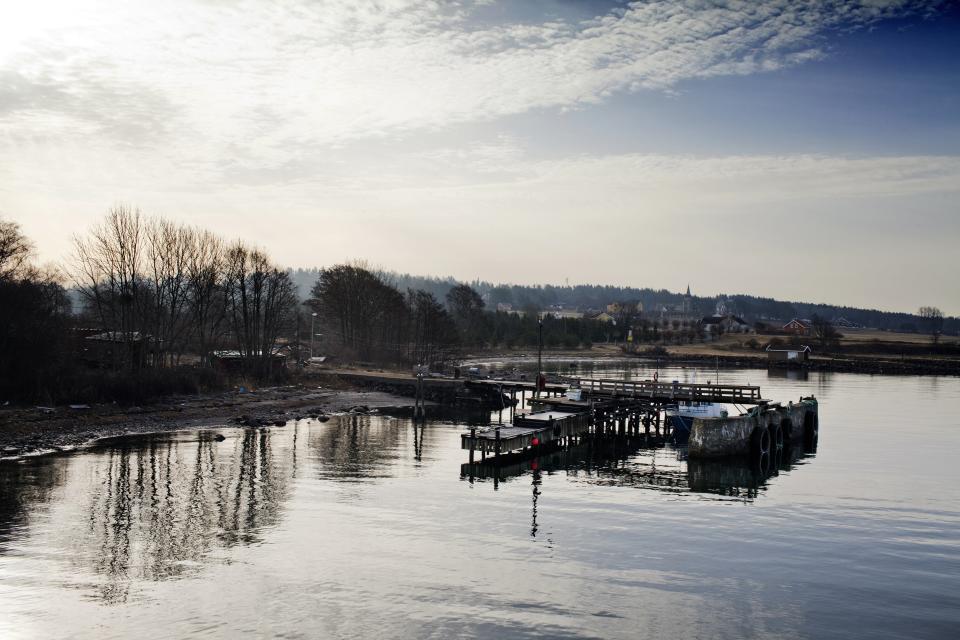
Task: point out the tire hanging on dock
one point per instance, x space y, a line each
760 443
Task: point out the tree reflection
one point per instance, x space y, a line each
23 484
161 508
359 447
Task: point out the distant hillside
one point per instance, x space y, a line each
750 308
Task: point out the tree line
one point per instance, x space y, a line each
364 314
587 296
161 304
155 295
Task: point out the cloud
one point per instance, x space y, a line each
266 81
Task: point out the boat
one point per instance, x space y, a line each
680 417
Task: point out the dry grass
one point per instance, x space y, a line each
736 344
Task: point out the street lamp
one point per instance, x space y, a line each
539 353
313 316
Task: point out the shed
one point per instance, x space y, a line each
796 355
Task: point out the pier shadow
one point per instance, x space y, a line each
640 462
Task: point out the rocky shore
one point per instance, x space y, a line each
39 429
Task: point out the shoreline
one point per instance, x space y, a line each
37 430
30 431
877 364
871 366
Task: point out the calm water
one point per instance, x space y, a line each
365 527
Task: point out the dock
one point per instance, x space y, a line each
563 413
632 409
669 391
527 431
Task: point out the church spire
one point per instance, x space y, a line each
688 289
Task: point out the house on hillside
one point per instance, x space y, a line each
790 355
798 327
603 316
843 323
560 314
729 323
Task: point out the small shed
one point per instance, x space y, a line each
233 361
796 355
115 348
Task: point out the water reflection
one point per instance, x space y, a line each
21 487
156 507
352 448
642 463
362 524
788 374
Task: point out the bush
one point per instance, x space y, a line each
143 386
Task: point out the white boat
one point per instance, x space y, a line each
681 417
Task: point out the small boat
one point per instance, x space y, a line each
680 417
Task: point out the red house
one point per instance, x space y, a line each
798 327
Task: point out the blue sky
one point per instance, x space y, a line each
791 148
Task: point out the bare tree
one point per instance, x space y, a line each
15 250
824 331
933 318
167 253
260 297
365 312
433 333
34 348
467 308
108 272
206 263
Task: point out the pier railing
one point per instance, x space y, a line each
661 391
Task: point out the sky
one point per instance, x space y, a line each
798 149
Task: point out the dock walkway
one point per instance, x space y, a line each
669 391
526 431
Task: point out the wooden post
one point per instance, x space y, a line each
496 449
473 442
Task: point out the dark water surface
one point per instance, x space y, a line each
365 527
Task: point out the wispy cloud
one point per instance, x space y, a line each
263 80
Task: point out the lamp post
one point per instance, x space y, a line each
539 352
313 317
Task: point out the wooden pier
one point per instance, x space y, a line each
527 431
610 407
515 386
669 391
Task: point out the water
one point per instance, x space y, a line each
364 527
